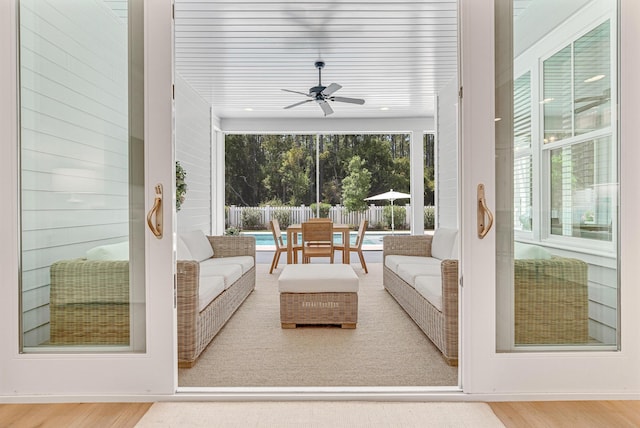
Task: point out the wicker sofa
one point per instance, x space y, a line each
89 299
550 293
210 290
423 279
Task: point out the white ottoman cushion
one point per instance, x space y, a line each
318 278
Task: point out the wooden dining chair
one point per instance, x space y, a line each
357 248
281 247
317 240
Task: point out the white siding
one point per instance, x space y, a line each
74 141
447 157
193 150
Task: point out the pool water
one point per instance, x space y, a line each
370 238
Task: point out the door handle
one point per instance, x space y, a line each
483 210
156 211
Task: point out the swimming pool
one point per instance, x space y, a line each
371 239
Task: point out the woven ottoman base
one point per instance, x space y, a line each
319 308
318 295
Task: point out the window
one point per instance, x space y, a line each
579 138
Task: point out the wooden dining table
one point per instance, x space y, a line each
295 229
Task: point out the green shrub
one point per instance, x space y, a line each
232 231
399 216
429 218
377 226
251 219
324 209
283 217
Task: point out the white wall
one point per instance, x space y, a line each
194 151
446 174
74 141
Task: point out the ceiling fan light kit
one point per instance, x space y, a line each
322 94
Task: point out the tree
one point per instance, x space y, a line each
355 186
294 175
242 184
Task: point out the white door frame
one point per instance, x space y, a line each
549 375
485 374
76 377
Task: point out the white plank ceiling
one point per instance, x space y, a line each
239 54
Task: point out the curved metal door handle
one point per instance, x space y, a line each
483 227
156 210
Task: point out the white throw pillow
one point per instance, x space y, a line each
198 245
183 252
442 244
528 251
454 250
118 251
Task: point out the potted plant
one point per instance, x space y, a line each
181 185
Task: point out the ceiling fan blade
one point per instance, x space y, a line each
297 92
326 108
348 100
297 104
331 89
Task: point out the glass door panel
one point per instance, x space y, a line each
82 176
557 178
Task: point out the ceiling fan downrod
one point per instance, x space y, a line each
319 65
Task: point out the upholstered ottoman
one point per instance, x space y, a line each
318 294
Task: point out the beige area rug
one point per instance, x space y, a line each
320 414
386 348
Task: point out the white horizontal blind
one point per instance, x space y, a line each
522 168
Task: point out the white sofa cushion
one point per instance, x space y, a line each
118 251
208 289
392 261
528 251
408 272
318 278
245 262
198 245
231 273
430 287
182 252
443 243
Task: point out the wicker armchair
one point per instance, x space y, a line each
551 301
197 328
89 302
441 327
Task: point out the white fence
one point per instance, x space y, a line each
338 214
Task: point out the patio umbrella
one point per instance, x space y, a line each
391 195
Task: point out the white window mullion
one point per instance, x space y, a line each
567 205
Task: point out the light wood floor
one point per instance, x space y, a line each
582 414
547 414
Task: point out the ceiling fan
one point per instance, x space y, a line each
322 94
